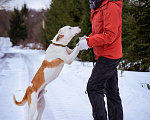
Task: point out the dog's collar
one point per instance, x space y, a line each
59 45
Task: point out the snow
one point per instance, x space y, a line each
5 44
66 98
34 45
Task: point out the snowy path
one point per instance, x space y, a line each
15 73
63 100
10 78
65 97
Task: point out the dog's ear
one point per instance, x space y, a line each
59 31
59 37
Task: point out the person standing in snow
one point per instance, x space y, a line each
105 39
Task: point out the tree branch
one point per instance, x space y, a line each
2 2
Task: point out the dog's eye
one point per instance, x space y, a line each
70 28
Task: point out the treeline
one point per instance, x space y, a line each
135 30
33 21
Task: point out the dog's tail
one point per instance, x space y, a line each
21 102
26 97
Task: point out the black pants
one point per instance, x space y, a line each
104 80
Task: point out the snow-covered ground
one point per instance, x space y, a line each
66 98
5 44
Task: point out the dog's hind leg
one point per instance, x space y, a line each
40 107
33 105
41 104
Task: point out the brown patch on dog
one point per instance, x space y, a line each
59 31
59 37
30 90
38 80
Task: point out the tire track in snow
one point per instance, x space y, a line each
25 71
4 66
12 72
29 66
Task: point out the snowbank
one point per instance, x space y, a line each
5 44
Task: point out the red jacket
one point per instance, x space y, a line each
106 30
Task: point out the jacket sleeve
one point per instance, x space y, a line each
111 17
90 35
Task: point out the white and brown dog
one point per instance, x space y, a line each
56 56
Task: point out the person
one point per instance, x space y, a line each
105 39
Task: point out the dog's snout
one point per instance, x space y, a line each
79 27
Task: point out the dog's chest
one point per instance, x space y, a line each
52 73
52 69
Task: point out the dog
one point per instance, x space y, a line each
57 54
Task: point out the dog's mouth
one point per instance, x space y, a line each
77 33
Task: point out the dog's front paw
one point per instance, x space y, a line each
82 38
83 44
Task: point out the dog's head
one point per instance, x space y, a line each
65 34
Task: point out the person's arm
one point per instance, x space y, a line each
112 22
90 35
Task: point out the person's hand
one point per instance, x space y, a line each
83 44
84 37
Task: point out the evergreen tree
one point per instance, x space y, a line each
86 29
136 29
67 12
24 10
128 33
142 46
18 29
60 14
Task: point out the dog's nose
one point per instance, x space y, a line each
79 27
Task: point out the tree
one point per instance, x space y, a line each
61 13
136 29
86 29
142 46
67 12
24 10
18 29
